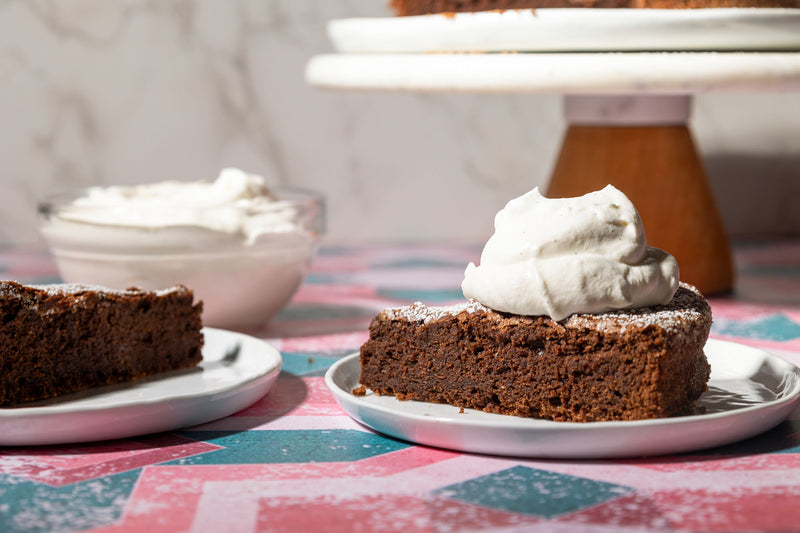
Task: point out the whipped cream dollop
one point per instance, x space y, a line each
562 256
236 203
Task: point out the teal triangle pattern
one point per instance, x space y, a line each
289 446
309 364
33 507
534 492
777 327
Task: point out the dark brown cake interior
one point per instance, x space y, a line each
56 340
630 365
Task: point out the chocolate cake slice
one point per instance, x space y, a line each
58 339
624 365
424 7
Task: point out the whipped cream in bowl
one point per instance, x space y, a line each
242 247
562 256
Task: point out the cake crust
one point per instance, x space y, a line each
626 365
423 7
59 339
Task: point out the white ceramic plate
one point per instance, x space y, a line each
573 30
236 371
750 391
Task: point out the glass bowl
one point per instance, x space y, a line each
243 281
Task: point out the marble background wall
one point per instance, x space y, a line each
129 91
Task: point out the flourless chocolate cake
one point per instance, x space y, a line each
59 339
623 365
423 7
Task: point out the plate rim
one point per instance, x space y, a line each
791 397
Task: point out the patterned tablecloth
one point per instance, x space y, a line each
295 462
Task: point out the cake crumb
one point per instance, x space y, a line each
361 390
461 411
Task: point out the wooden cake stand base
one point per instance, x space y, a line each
642 146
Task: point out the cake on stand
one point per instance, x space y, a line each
627 111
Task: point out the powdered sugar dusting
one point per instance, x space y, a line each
419 312
669 319
11 287
686 307
74 288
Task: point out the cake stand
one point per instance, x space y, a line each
627 116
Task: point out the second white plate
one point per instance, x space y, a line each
236 371
750 391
